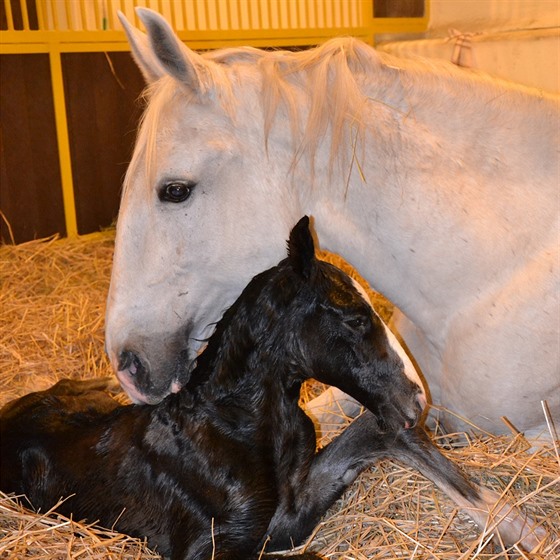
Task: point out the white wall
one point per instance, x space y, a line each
491 15
518 40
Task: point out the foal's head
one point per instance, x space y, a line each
315 321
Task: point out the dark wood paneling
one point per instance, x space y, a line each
103 110
398 8
30 187
17 14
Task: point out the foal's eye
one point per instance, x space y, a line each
356 322
175 191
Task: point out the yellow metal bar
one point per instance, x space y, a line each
269 8
67 41
54 15
338 11
68 14
366 11
427 8
39 4
259 15
64 158
173 15
24 14
206 15
97 17
109 16
9 15
399 25
30 48
83 16
196 19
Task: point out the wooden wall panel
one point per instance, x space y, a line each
398 8
17 15
103 110
30 187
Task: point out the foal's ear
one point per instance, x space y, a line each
301 249
161 52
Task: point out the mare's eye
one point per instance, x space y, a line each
175 191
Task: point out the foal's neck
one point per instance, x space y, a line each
243 364
245 377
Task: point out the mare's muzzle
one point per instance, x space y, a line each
145 385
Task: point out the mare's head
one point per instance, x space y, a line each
220 173
307 318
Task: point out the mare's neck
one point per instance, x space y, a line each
426 212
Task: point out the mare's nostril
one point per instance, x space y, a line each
125 359
129 361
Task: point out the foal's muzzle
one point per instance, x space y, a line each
413 416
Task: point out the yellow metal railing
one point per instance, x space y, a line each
54 27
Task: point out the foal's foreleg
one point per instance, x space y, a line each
331 471
490 511
337 465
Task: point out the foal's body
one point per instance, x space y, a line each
190 473
230 461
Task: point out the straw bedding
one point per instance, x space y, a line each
52 301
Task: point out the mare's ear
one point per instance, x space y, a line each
301 249
141 51
161 52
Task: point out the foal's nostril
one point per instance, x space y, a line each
421 401
129 361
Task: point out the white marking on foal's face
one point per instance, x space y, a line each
409 369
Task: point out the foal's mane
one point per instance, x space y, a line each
256 313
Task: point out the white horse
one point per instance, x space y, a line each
440 185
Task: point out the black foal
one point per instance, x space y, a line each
229 463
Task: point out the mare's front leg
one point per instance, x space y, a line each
330 472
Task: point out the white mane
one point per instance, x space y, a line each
331 77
